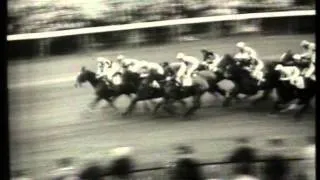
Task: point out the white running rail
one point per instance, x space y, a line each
112 28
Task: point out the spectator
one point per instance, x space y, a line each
243 156
307 168
215 173
276 167
19 175
122 164
65 170
185 167
92 172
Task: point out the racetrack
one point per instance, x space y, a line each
49 118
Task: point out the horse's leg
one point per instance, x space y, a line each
305 106
157 106
183 103
217 90
94 102
230 95
131 106
146 106
110 102
196 105
168 106
277 106
265 96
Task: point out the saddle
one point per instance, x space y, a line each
298 82
187 81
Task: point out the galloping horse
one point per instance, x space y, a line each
244 82
102 90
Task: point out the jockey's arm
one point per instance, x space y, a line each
194 64
287 72
182 70
252 52
310 70
296 72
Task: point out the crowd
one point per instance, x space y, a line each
29 16
187 167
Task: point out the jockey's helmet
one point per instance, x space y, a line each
304 43
241 45
296 57
204 50
180 55
278 67
120 57
121 151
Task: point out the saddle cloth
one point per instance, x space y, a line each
298 82
187 81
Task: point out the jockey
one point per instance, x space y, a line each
152 66
309 72
102 67
249 54
308 50
132 65
290 73
188 65
211 59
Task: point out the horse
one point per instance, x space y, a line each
173 91
102 89
289 92
287 59
244 82
146 91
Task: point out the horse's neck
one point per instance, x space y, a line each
93 80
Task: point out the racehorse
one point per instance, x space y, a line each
244 82
289 92
102 90
147 91
287 59
173 91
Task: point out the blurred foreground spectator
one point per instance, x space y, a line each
243 157
185 167
122 164
20 175
92 172
65 170
307 168
276 168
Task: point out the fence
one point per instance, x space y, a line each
159 31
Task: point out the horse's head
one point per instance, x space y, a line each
84 76
287 57
206 54
225 62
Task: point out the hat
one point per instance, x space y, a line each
241 45
278 67
180 55
120 57
121 151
